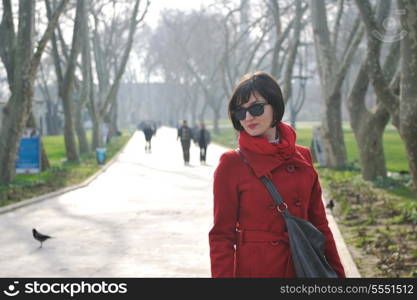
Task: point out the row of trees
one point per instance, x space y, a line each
90 43
361 53
365 53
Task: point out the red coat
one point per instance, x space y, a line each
248 237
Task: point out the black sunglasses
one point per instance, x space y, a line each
255 110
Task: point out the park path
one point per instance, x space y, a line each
145 215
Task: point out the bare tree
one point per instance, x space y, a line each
402 108
107 63
22 71
84 85
185 47
297 101
53 117
66 89
293 49
368 125
332 72
282 36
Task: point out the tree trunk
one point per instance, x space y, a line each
408 87
113 130
293 118
203 110
368 128
334 143
79 128
371 151
376 75
369 124
331 74
95 118
216 118
85 84
403 109
52 117
8 41
326 58
96 136
14 121
18 108
66 92
287 89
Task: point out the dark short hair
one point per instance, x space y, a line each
263 84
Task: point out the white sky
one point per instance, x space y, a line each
157 5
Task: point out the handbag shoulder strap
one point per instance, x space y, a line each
268 184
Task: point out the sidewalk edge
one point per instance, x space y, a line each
348 263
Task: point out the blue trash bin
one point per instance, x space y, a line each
101 155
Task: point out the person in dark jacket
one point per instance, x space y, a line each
185 135
248 237
203 139
148 131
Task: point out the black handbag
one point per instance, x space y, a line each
306 241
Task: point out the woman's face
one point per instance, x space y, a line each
259 125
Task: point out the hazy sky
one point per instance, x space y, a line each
157 5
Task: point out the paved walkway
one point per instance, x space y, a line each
146 215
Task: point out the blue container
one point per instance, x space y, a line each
101 155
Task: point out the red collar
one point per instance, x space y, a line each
264 156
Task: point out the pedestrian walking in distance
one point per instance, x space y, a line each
148 131
185 136
249 237
40 237
203 140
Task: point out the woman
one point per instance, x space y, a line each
248 237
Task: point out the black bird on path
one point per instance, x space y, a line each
40 237
330 205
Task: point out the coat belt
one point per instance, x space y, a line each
260 236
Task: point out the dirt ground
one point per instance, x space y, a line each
380 243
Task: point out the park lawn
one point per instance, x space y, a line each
394 149
393 146
61 173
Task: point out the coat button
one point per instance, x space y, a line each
274 243
297 202
290 168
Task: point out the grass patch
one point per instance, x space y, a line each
395 155
227 138
61 174
380 227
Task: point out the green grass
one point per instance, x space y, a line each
227 138
394 149
61 173
54 147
